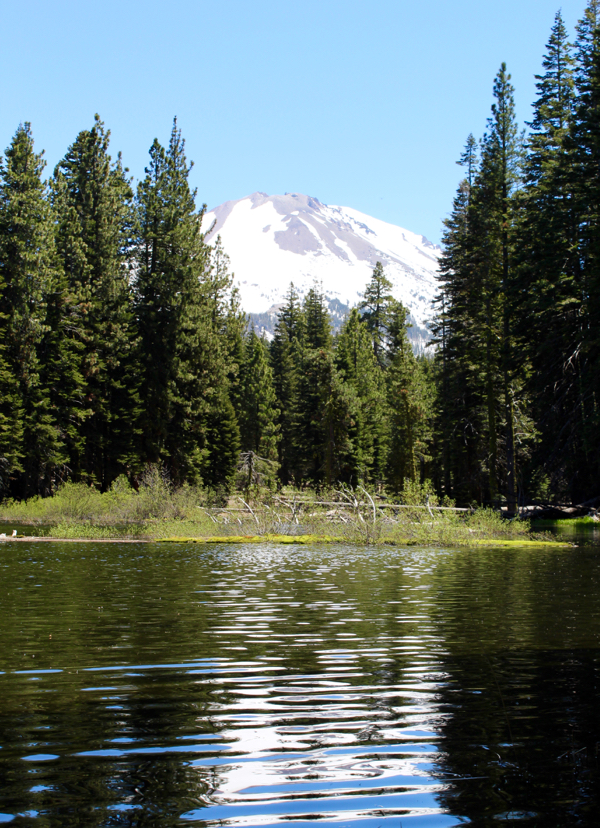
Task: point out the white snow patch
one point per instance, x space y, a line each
264 270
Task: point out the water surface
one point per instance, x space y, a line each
186 685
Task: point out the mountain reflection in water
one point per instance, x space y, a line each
185 685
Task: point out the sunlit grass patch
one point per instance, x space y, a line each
287 539
563 523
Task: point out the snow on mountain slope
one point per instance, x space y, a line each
275 240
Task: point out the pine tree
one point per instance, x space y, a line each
584 361
259 430
355 360
501 172
548 268
477 307
189 423
376 309
491 222
325 407
469 160
28 272
326 417
93 201
454 334
229 320
286 359
409 405
459 332
317 320
11 413
222 441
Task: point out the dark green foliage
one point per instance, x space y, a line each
28 273
229 321
259 430
558 276
475 325
356 361
93 201
222 439
584 148
547 287
11 415
318 410
519 313
317 323
179 293
286 357
461 414
326 416
408 389
499 174
375 309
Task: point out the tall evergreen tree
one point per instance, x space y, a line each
501 170
456 337
11 413
476 320
28 271
585 354
355 359
317 320
286 359
469 160
375 309
189 423
409 405
259 430
325 407
93 200
229 320
326 418
547 286
459 330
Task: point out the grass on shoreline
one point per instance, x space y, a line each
585 522
159 512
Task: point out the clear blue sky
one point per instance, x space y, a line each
364 104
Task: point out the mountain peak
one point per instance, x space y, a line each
273 240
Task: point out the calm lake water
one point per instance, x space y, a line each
159 685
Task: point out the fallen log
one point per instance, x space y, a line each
555 511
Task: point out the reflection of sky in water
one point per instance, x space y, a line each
330 742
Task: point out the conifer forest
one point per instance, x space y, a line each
123 342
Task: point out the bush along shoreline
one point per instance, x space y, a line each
158 511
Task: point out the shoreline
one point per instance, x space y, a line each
287 540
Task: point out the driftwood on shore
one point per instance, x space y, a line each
556 511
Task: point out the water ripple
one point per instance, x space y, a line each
355 687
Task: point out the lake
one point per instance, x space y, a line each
189 685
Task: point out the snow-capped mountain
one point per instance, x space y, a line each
275 240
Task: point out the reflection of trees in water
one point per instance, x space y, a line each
520 632
523 730
103 611
153 788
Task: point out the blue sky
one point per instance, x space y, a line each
363 104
